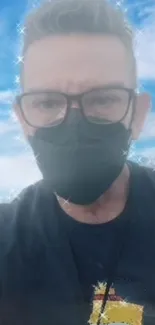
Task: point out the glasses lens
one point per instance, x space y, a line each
105 106
44 109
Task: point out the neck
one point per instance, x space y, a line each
106 208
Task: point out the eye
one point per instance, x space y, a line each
48 104
101 101
105 100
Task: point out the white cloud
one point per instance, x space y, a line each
145 45
7 97
149 153
17 172
146 53
11 124
8 126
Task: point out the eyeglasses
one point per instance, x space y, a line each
100 106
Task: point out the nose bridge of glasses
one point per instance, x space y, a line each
74 102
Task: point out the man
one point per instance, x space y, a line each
78 247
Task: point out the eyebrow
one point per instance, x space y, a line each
90 87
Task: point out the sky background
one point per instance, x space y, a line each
17 166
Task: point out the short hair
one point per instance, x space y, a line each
57 17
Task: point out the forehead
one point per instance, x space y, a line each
76 63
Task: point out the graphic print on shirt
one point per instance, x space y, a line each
117 311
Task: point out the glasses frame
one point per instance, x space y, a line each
78 98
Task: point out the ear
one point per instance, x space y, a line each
142 108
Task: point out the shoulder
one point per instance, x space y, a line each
143 180
16 213
26 201
143 197
25 229
21 222
143 175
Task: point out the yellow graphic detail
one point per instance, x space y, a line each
117 311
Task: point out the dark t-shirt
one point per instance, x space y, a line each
95 248
54 270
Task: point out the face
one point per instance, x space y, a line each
75 64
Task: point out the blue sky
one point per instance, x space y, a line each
17 166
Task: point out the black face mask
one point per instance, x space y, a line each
81 160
